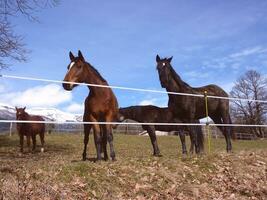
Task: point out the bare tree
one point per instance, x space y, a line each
252 85
11 44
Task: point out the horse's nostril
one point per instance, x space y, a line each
66 86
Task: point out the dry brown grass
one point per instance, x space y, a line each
59 173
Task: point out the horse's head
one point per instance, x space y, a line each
21 114
164 70
76 71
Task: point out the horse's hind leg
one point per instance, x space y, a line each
153 139
110 141
224 130
33 142
227 130
182 138
42 141
193 135
104 141
196 135
87 128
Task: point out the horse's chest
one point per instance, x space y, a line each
27 129
99 104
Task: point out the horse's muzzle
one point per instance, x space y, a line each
67 86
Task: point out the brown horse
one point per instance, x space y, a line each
154 114
30 130
100 105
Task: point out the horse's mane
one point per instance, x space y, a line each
96 72
178 79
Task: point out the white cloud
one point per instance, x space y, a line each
43 96
147 102
75 108
2 88
237 59
249 51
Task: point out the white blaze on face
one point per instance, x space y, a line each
42 149
71 64
164 64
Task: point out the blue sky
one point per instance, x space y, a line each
210 41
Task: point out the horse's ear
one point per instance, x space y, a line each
24 108
16 108
71 56
157 58
169 59
80 55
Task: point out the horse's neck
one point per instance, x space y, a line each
176 84
26 116
93 78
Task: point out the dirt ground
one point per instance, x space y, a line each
59 173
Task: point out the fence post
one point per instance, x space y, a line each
10 129
207 123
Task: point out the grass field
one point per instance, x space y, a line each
59 173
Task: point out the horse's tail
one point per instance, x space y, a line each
233 135
200 139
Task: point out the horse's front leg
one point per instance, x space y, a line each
28 142
33 142
87 128
182 138
153 139
104 141
97 136
192 141
21 138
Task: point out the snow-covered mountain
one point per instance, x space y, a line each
50 114
7 112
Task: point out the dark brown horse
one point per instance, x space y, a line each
30 130
191 109
100 105
154 114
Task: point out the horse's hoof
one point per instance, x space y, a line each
105 158
157 155
184 152
114 159
84 158
42 150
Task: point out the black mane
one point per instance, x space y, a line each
97 73
177 78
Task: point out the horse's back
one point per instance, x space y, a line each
211 89
147 113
